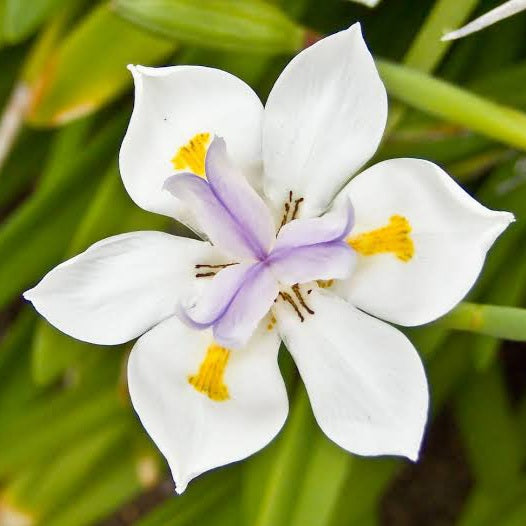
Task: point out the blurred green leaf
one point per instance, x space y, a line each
44 487
427 49
34 238
454 104
244 25
89 67
502 85
270 486
366 481
17 388
321 482
21 19
486 421
123 475
43 430
199 502
487 507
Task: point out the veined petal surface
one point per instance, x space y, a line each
173 105
194 432
120 287
365 381
324 119
450 234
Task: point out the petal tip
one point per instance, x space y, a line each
414 454
132 68
29 294
507 218
502 220
357 26
448 37
180 487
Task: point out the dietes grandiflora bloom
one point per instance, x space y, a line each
292 249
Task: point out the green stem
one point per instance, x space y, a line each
454 104
427 50
508 323
278 492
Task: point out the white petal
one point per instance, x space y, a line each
172 105
365 381
323 120
451 233
120 287
501 12
192 431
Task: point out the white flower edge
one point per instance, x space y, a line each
194 433
450 231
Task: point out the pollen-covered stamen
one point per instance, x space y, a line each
272 322
393 238
192 155
209 380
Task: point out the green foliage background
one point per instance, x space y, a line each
72 452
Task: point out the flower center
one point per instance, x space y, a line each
209 379
393 238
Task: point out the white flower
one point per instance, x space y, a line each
501 12
203 376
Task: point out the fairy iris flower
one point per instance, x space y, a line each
293 249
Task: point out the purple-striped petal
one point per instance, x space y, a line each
332 260
213 301
309 249
233 303
247 308
238 196
333 226
228 209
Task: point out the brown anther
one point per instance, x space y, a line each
288 298
216 266
297 292
285 216
205 274
296 207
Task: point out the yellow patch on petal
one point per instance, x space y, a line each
191 156
325 283
393 238
209 379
